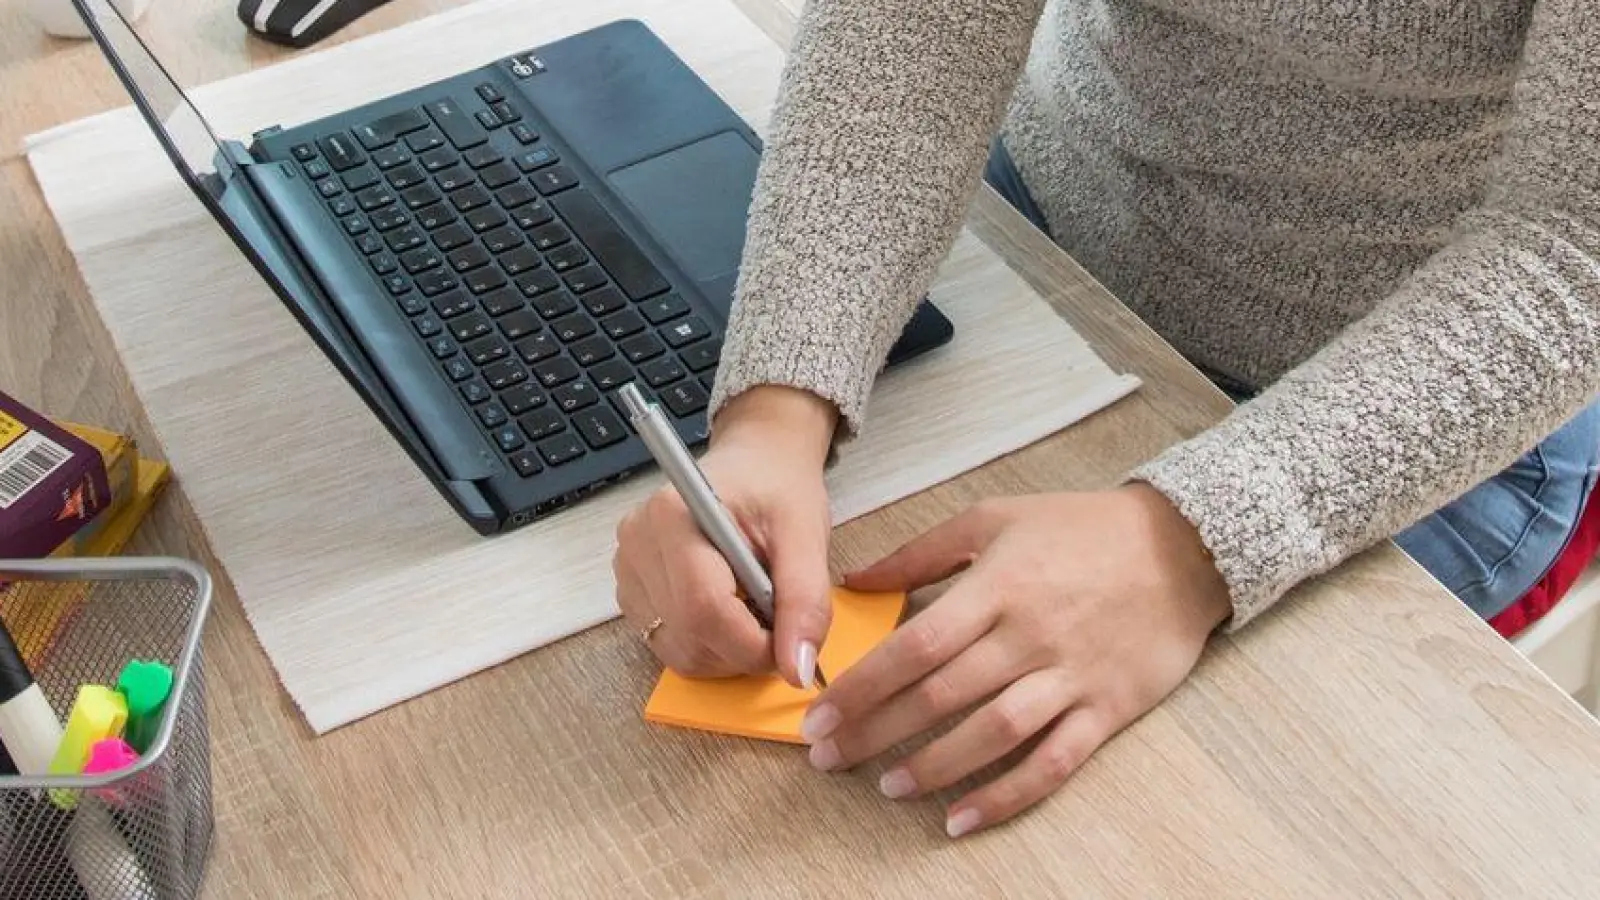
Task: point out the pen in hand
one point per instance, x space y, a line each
710 516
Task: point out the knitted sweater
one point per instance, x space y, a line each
1384 212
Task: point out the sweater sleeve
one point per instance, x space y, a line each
1485 350
877 142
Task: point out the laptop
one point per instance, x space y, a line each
488 258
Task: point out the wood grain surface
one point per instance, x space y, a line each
1368 739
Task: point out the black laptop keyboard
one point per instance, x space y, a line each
531 299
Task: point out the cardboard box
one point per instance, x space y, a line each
52 483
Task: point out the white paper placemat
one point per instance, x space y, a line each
345 558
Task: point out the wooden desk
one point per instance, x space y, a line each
1371 738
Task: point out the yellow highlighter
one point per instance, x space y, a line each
98 714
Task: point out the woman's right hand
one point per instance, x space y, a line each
765 462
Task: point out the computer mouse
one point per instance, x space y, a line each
301 23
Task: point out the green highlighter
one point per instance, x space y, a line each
146 685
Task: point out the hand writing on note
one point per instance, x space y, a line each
1072 616
766 464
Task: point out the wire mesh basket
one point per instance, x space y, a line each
144 831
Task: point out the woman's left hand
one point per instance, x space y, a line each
1074 616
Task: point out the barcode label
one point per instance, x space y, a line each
26 464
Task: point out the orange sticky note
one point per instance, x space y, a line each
765 707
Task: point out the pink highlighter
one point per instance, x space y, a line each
107 756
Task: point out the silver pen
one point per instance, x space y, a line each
713 519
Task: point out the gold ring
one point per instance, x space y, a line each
650 629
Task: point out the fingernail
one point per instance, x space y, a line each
897 783
961 823
805 661
825 756
819 722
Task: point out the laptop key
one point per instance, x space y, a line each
470 197
488 119
537 348
360 177
531 215
493 415
583 279
470 326
550 236
408 175
380 133
478 157
451 236
522 398
330 187
484 280
442 346
383 263
486 219
686 332
520 324
469 257
457 126
427 326
508 438
424 195
611 375
498 303
435 216
514 195
641 347
397 284
369 243
458 369
438 158
486 350
413 304
554 304
342 206
526 462
702 356
316 170
341 151
303 152
537 282
389 157
553 180
556 371
523 133
685 398
389 217
563 448
573 328
475 392
622 324
452 304
435 282
498 175
664 308
354 226
519 260
421 260
634 273
375 197
541 423
603 301
592 350
453 178
505 113
489 93
535 159
600 427
504 374
663 371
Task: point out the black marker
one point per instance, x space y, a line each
29 728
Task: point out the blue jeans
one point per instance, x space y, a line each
1491 544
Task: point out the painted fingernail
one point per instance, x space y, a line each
805 662
825 756
819 722
961 823
897 783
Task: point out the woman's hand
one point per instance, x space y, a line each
766 464
1076 614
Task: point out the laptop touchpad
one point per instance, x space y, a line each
695 200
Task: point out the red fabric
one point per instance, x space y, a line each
1549 590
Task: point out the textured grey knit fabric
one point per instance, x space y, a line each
1386 210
